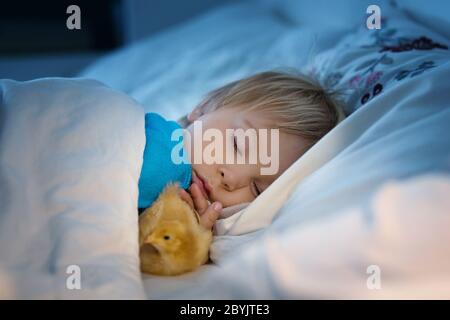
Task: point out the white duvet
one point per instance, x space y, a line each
70 156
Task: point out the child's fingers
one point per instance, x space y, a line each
184 195
200 202
210 215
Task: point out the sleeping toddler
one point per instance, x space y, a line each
297 107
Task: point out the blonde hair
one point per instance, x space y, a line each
299 104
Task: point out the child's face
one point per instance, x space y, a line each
233 184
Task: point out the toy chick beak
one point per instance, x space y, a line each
150 244
150 239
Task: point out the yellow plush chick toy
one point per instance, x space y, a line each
171 239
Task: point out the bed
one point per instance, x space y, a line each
363 214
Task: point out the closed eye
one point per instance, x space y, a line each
257 190
235 144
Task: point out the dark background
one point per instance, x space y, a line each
35 42
40 27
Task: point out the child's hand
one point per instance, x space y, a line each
196 199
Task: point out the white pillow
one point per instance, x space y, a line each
376 60
322 219
370 193
436 9
369 62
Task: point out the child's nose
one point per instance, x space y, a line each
230 179
224 180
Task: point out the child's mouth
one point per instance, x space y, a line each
202 183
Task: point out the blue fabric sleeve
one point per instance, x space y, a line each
158 169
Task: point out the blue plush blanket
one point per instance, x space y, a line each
158 168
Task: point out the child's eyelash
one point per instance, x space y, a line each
235 144
258 192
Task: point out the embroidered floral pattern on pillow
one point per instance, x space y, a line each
387 42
